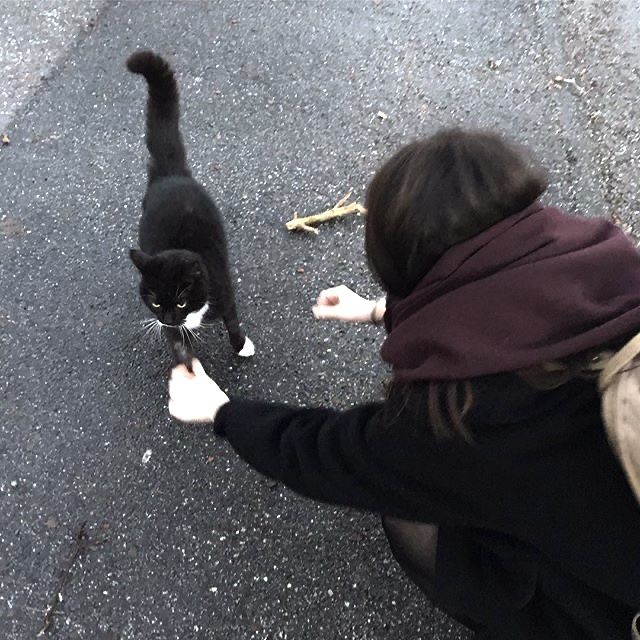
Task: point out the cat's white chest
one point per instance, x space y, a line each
194 319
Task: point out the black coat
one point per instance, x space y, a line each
539 533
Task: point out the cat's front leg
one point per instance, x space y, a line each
239 341
181 351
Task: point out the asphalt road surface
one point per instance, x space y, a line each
286 106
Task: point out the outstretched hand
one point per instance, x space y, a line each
194 396
341 303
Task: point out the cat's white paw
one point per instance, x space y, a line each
248 349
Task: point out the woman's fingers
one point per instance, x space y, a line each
333 295
323 312
341 303
328 299
178 387
194 397
180 371
197 367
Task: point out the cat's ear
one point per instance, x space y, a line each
140 259
195 270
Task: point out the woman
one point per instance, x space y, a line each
499 493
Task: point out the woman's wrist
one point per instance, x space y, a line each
218 419
378 310
224 401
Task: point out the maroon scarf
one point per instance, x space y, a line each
537 286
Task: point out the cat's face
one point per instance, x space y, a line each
174 284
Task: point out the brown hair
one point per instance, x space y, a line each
586 365
443 405
430 196
437 192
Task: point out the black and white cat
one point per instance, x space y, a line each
183 257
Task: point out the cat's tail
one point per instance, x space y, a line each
163 137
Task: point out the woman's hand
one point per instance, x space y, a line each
194 397
340 303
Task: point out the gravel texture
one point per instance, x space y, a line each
34 39
280 104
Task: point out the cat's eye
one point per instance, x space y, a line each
155 305
181 305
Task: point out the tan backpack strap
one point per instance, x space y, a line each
618 362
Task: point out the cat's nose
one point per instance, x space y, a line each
170 319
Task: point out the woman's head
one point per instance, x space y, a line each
437 192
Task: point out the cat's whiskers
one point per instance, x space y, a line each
183 335
151 327
146 324
149 332
192 333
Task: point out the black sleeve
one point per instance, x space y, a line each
340 457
